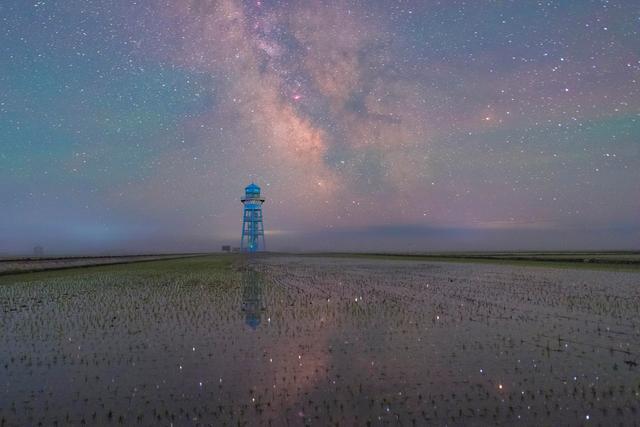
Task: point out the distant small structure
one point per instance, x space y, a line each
226 248
252 226
235 250
38 251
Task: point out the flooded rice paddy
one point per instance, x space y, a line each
284 340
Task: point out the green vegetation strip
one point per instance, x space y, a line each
188 264
610 261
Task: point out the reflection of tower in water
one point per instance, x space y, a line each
252 298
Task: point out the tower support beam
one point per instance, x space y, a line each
252 225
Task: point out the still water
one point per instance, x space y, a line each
317 341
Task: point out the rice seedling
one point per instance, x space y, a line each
312 340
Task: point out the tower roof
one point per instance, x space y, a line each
252 189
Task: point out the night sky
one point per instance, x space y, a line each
133 126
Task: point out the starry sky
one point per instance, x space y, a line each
133 126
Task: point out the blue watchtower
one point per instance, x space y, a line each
252 227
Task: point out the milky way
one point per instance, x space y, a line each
134 126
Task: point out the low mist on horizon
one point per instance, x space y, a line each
134 127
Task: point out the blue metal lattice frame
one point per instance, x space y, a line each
252 225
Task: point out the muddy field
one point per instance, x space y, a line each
320 341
